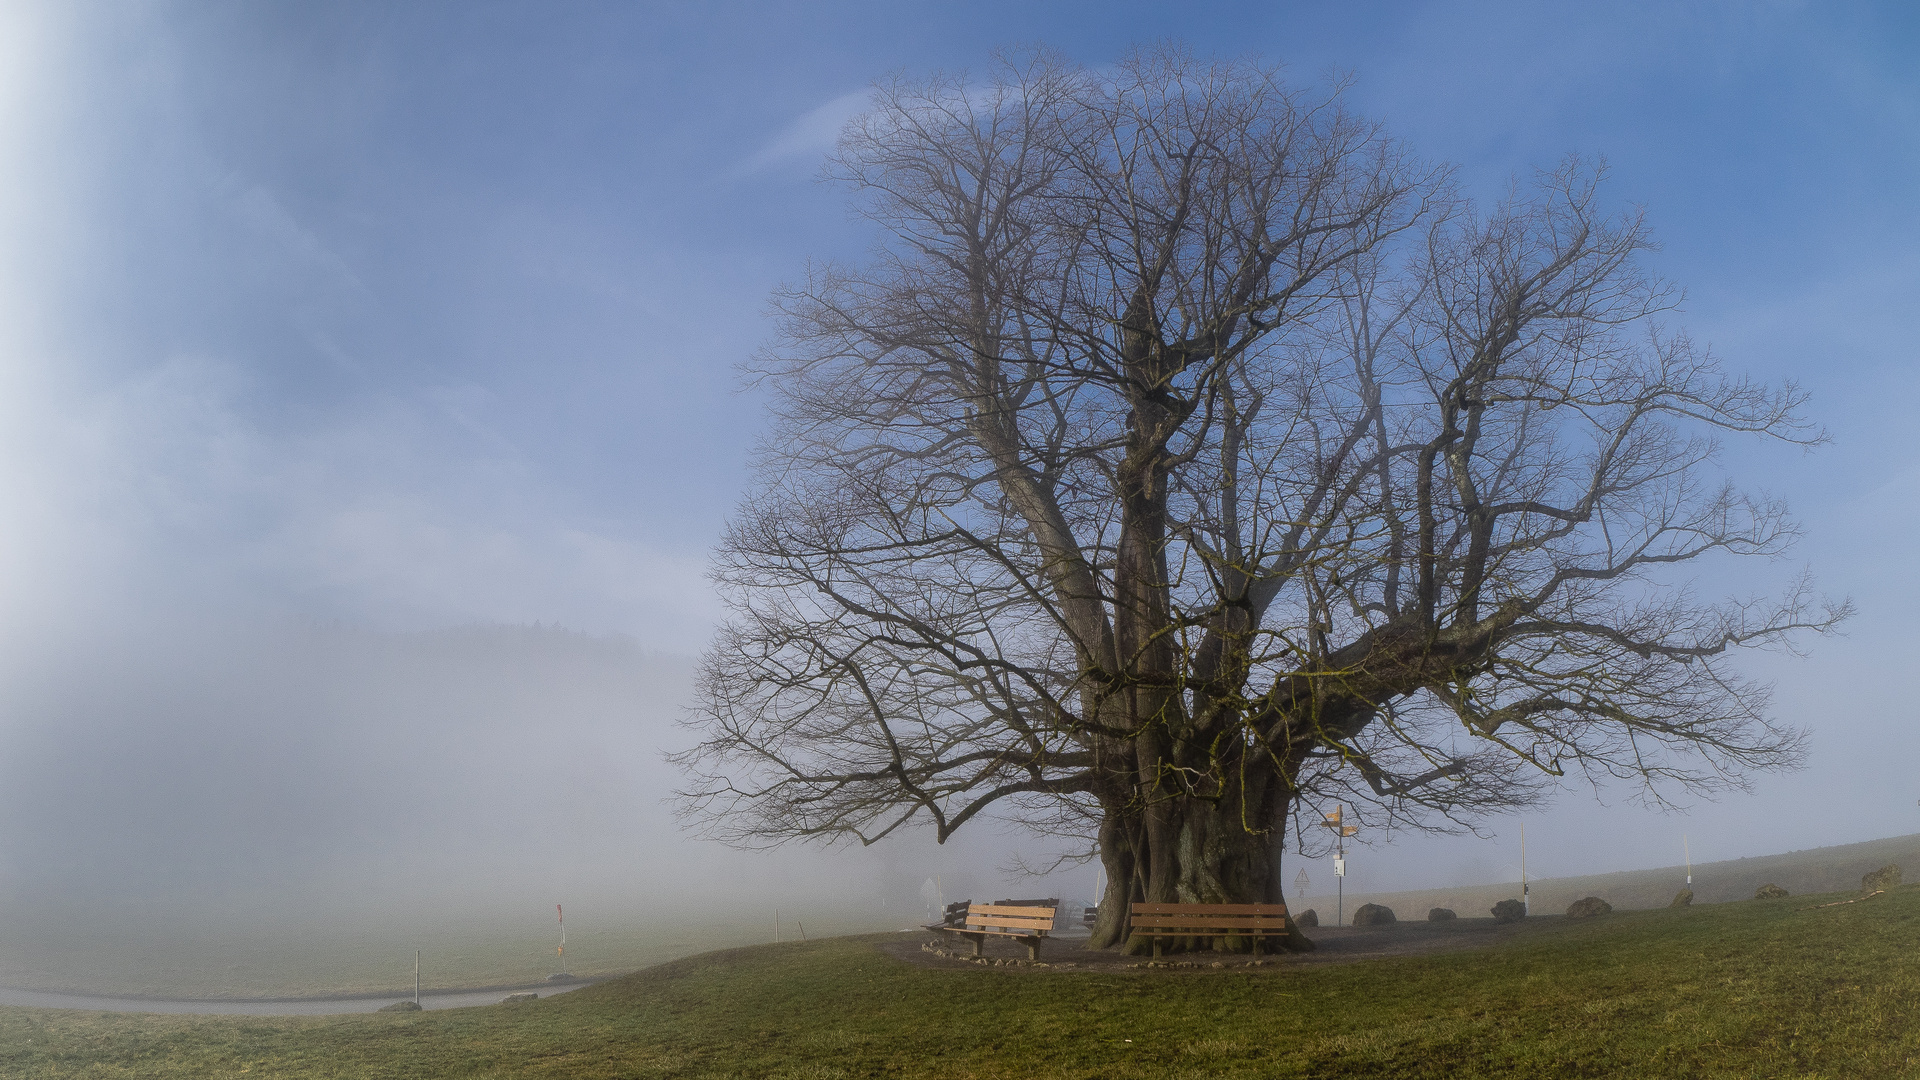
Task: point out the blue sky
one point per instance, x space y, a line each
410 316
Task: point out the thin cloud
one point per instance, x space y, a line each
269 217
810 135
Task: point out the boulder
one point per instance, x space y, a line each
1770 891
512 998
1881 880
1587 907
1373 915
401 1006
1308 917
1441 914
1509 911
1683 898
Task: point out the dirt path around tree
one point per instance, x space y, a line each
1335 945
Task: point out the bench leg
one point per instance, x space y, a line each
1256 945
1156 947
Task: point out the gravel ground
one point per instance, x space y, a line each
1334 945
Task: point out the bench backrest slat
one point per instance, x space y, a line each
1000 917
1209 909
1207 923
996 920
1002 909
1206 920
1184 917
1010 920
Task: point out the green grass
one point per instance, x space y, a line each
1750 989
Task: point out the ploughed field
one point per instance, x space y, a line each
1753 988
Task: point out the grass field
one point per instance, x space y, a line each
1750 989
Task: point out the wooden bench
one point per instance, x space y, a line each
1257 921
953 917
1029 924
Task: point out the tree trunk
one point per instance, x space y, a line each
1190 851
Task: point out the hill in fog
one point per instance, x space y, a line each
1827 869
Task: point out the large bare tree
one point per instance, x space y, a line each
1187 455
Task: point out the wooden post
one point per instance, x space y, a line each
1526 900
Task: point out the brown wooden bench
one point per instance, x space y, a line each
1029 924
1257 921
953 917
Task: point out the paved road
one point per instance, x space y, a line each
303 1007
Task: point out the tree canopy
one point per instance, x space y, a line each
1188 453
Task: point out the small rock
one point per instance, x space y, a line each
401 1006
512 998
1881 880
1587 907
1373 915
1509 911
1219 963
1441 914
1308 917
1683 898
1770 891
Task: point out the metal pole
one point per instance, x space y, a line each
416 976
1689 852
